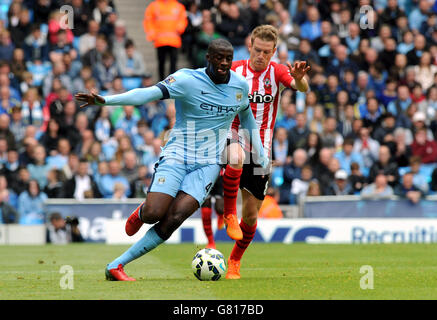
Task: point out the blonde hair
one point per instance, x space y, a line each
313 188
265 32
29 92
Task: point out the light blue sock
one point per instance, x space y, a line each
147 243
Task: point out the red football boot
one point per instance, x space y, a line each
233 269
117 274
134 223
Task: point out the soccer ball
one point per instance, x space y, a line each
209 265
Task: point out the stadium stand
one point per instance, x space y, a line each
373 83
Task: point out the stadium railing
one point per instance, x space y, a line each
330 218
308 207
358 207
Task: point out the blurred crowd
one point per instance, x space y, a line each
49 148
367 126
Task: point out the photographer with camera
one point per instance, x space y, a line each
8 214
63 231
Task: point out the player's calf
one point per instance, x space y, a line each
250 220
219 209
207 228
170 223
231 178
220 221
231 184
182 207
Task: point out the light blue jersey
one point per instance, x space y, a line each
190 161
204 113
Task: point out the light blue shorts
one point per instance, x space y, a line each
170 177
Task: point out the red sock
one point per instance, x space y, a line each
241 245
231 182
206 219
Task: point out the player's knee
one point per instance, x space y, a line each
172 223
178 217
236 156
150 219
162 231
207 203
236 160
151 215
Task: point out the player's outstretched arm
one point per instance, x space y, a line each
248 123
298 72
133 97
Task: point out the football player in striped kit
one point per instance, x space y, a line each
266 80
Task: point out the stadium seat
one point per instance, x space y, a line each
403 170
44 27
4 7
427 169
277 176
76 43
30 14
292 199
291 55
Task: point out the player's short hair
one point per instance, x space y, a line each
265 32
215 44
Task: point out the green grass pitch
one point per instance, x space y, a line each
269 271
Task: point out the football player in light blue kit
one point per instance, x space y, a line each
207 101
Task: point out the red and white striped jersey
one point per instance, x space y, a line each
264 94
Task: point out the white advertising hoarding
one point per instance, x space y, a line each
16 234
353 231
